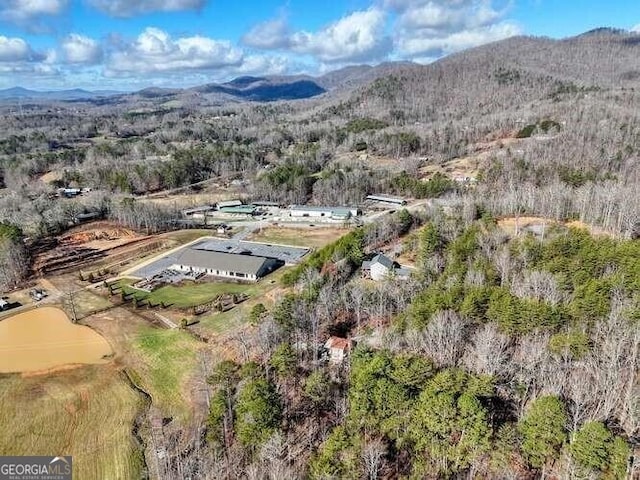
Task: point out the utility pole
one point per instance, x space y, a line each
72 307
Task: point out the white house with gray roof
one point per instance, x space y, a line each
381 266
235 266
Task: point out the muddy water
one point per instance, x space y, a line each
45 338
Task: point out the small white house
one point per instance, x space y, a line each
381 266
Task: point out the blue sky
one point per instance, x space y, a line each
131 44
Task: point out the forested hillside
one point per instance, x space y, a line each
500 359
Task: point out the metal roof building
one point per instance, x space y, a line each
387 199
239 209
335 213
202 209
226 265
228 203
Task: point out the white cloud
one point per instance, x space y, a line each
449 16
438 45
263 65
80 49
357 37
155 51
18 59
432 28
272 34
636 28
15 50
20 10
129 8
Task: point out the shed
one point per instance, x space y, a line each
338 348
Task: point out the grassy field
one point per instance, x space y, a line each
298 237
189 294
224 322
87 412
167 359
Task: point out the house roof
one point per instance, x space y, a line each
338 342
228 262
383 260
403 272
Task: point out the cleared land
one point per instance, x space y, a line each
166 360
160 361
538 225
298 237
87 412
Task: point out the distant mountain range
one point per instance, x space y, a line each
246 88
73 94
520 68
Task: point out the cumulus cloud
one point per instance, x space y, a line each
449 16
79 49
155 51
16 50
32 15
272 34
20 10
431 28
359 36
129 8
262 65
457 41
17 58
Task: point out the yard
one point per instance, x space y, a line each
189 294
